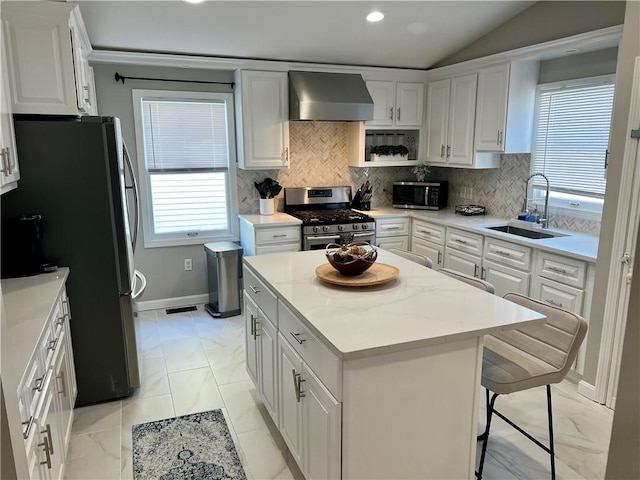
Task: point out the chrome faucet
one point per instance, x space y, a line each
545 220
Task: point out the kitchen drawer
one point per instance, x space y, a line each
401 243
260 294
45 347
280 247
428 231
324 363
561 269
392 227
507 253
558 295
30 390
266 236
464 241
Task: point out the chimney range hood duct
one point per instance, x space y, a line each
333 97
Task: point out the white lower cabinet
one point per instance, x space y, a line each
394 242
505 279
558 295
310 417
261 355
462 262
392 232
260 239
429 249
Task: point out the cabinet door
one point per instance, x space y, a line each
285 247
409 104
40 57
437 120
71 368
9 171
432 250
394 242
462 111
62 388
558 295
383 103
49 428
491 111
264 127
462 262
267 365
321 425
290 369
250 344
504 279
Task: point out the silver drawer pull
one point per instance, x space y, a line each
61 320
555 304
52 344
391 228
464 242
296 336
47 431
558 270
45 444
254 289
27 431
297 384
279 235
39 383
427 232
503 253
64 384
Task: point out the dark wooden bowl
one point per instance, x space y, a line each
344 261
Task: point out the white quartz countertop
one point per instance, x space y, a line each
420 307
278 219
571 244
28 303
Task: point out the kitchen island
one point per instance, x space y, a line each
375 382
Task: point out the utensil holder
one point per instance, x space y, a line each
267 206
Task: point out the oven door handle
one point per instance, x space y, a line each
333 237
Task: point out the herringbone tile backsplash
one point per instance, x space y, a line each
318 157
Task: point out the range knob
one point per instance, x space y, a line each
325 229
316 229
355 226
364 226
341 227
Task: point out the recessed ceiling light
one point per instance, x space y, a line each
375 16
193 1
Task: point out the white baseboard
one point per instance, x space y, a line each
587 390
172 302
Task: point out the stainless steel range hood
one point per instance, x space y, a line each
334 97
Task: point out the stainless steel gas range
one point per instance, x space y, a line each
326 216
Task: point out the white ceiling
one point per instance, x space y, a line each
414 34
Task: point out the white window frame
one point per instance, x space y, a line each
581 206
152 240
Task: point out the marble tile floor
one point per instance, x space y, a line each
191 362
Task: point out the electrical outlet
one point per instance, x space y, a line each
188 264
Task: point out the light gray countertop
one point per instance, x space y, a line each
418 308
28 303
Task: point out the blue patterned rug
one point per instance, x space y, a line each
196 446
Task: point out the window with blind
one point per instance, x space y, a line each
186 166
571 138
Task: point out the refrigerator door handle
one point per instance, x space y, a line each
136 198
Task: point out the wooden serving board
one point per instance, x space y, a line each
377 274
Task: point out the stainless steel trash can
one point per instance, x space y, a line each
224 268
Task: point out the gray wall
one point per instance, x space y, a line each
7 465
163 266
591 64
542 22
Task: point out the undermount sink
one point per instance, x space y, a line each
523 232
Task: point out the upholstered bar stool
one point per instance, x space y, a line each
473 281
414 257
529 357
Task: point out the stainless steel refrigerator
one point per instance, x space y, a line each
73 174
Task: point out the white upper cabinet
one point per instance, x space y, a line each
396 103
262 117
491 111
47 48
451 106
9 171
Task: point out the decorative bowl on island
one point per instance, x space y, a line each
352 259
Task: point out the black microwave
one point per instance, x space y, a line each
420 195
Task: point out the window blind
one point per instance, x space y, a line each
185 135
571 137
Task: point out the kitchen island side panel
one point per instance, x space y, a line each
412 414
